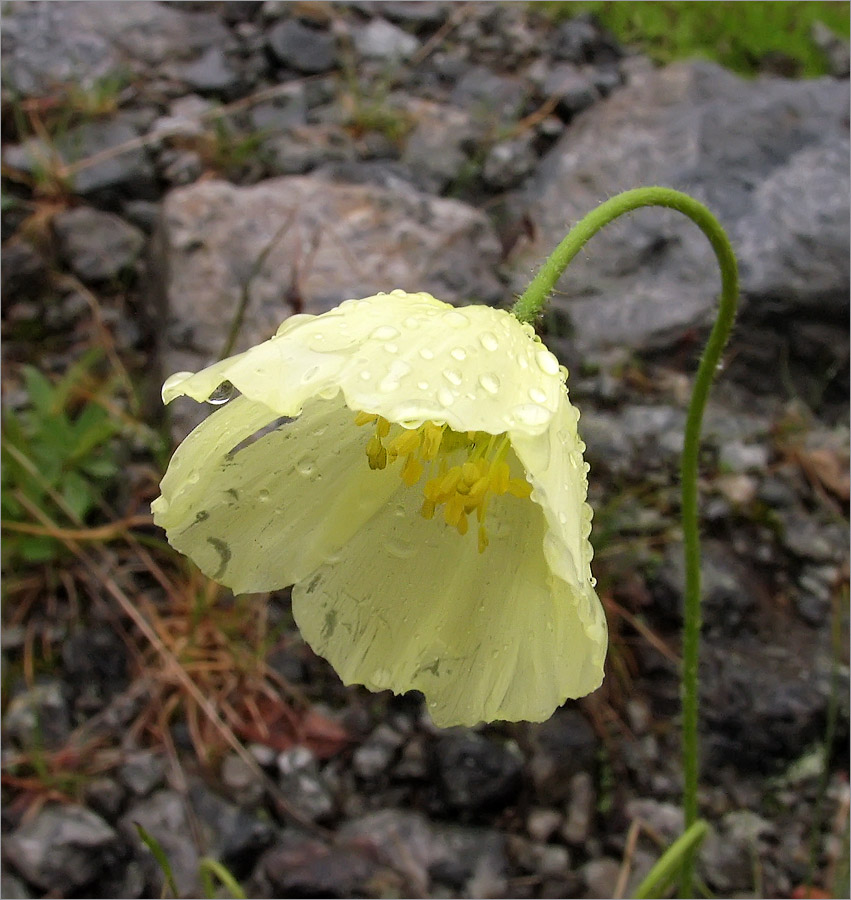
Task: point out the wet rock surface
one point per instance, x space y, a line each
244 162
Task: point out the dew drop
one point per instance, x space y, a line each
453 376
221 394
388 384
489 382
263 496
445 397
385 333
547 363
365 376
412 322
193 477
391 348
425 353
458 353
537 395
455 319
400 549
532 414
593 581
422 385
310 374
399 368
489 341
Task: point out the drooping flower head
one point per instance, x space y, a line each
414 470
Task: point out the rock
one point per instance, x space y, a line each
284 111
375 755
211 72
509 162
242 782
581 40
461 858
234 835
580 810
97 245
142 771
185 118
816 585
726 856
304 147
105 796
423 13
475 772
180 167
301 866
302 47
491 96
643 282
664 819
601 876
38 718
563 745
792 243
62 848
313 244
126 171
740 457
382 41
437 151
834 48
573 87
542 823
163 816
545 860
728 588
86 43
811 540
303 785
23 270
94 662
12 888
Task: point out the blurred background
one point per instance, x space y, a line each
180 177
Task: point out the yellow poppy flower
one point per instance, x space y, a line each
414 470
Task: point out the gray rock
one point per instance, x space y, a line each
644 281
476 772
62 848
112 168
163 816
23 270
461 858
383 41
509 162
793 242
726 856
581 40
38 718
301 47
304 147
815 591
303 784
185 118
491 96
564 745
740 457
438 149
105 796
665 819
302 866
241 781
580 809
421 13
813 540
281 113
542 823
142 771
544 860
94 660
86 42
573 87
97 245
181 167
601 876
835 48
375 755
212 71
12 888
323 243
142 213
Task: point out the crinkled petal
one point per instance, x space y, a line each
257 511
410 604
555 468
407 357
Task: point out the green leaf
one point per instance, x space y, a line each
78 493
667 867
160 856
207 868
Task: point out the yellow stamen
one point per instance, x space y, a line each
462 489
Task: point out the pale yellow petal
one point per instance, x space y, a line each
410 604
258 515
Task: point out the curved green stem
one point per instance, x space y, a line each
529 305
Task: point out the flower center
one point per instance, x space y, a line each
460 489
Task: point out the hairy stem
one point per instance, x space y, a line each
530 304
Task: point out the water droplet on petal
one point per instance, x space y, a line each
388 384
385 333
593 581
537 395
458 353
193 477
425 353
489 382
412 322
445 397
309 374
422 385
453 376
365 375
489 341
391 348
547 362
455 319
221 394
263 496
532 414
